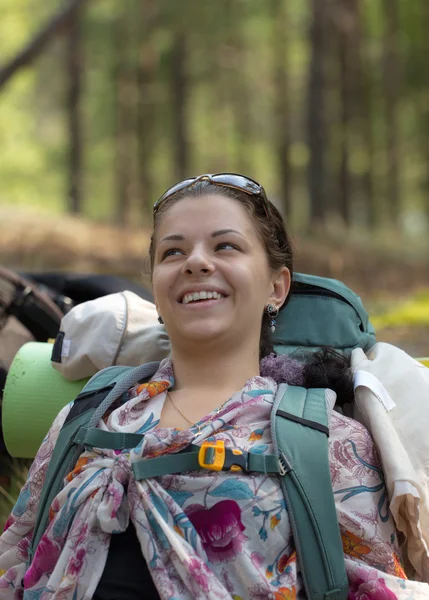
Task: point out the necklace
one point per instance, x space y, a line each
199 427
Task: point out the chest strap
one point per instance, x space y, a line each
212 456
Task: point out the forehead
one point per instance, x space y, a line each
198 215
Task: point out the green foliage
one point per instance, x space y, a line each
411 312
231 119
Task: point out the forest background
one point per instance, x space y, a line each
104 104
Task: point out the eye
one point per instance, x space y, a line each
171 252
227 246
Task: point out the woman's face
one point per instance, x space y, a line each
211 277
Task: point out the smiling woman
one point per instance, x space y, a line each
221 270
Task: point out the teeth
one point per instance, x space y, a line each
204 295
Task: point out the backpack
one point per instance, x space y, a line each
300 435
27 313
32 306
22 299
299 425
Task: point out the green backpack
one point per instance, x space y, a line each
320 312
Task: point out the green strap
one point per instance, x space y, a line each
63 458
67 450
299 428
188 461
97 438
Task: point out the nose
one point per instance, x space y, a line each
198 263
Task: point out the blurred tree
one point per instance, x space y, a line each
365 123
419 57
309 97
237 90
75 64
316 125
39 42
345 21
391 69
125 97
281 100
148 64
180 104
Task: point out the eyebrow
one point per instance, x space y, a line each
224 231
178 237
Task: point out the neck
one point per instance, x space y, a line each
226 370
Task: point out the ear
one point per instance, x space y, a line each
281 282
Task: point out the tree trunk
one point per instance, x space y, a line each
179 96
424 110
74 70
364 94
345 28
36 46
316 114
281 103
239 95
123 97
392 86
148 64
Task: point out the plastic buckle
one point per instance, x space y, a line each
215 457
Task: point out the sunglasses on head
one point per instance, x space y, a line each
230 180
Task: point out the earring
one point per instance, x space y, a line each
160 320
272 312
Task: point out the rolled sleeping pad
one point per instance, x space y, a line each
33 396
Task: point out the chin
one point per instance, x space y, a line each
202 332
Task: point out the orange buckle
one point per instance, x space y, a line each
212 455
215 457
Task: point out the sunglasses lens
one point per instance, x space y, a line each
171 191
238 181
232 180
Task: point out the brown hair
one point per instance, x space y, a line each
271 230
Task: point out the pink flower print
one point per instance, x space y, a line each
23 546
76 563
335 471
9 522
116 496
220 529
257 559
79 538
45 559
366 585
198 572
7 578
358 446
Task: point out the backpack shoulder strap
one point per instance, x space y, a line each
87 410
300 430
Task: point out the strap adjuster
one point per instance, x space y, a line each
215 457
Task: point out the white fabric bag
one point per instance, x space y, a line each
392 400
117 329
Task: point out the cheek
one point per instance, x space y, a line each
161 285
252 281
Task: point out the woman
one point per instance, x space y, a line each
221 267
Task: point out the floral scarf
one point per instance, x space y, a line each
205 535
